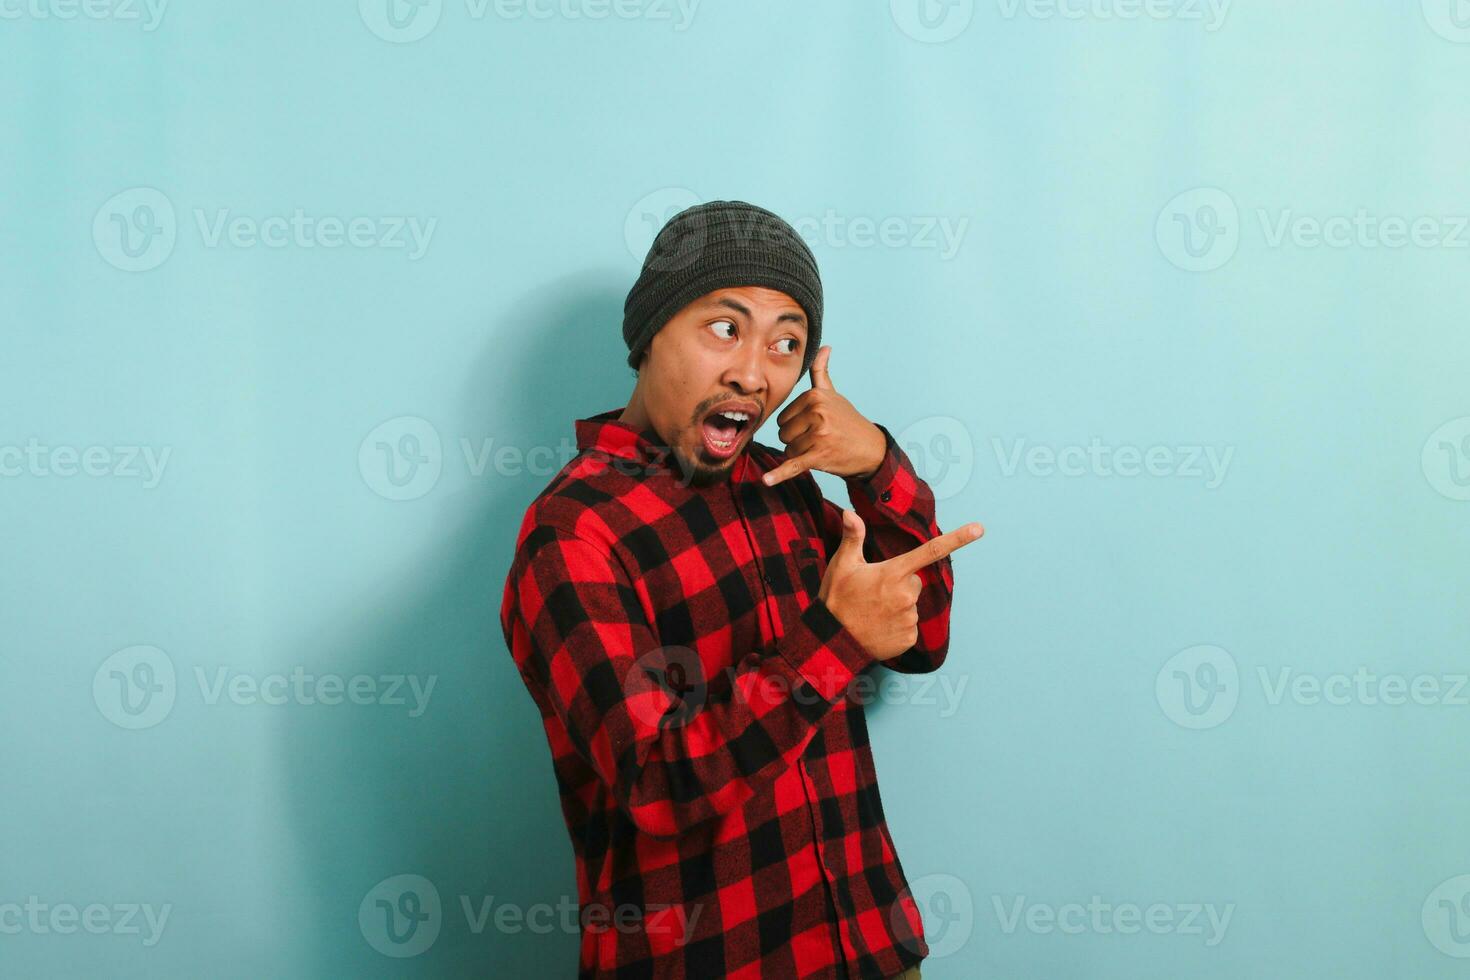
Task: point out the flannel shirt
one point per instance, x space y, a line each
707 734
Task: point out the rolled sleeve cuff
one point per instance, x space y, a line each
878 488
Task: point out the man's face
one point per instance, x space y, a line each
738 349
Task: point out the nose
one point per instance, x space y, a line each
746 370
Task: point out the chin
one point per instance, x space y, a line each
704 471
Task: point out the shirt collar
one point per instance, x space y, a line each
605 433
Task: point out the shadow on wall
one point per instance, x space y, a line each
463 795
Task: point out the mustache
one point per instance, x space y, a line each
704 408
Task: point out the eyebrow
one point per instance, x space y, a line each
741 308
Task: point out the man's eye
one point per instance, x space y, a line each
791 341
723 323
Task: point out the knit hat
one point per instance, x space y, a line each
714 246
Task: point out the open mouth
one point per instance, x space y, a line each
724 428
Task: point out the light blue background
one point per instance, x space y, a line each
1066 769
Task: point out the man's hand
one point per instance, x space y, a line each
822 431
879 602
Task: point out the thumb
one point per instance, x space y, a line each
850 549
820 377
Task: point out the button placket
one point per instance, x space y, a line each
758 564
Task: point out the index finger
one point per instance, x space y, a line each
934 549
792 467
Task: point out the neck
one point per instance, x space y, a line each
634 415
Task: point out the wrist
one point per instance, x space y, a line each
877 457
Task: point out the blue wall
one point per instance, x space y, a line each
298 304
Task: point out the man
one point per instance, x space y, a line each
692 619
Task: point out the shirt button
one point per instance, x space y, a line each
886 496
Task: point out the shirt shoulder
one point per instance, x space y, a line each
581 501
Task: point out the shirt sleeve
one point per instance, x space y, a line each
897 508
636 711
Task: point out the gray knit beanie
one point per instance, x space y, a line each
717 245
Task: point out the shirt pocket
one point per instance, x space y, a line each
807 558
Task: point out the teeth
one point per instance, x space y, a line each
737 416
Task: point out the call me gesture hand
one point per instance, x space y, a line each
822 431
877 601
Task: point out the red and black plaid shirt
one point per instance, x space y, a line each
710 746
